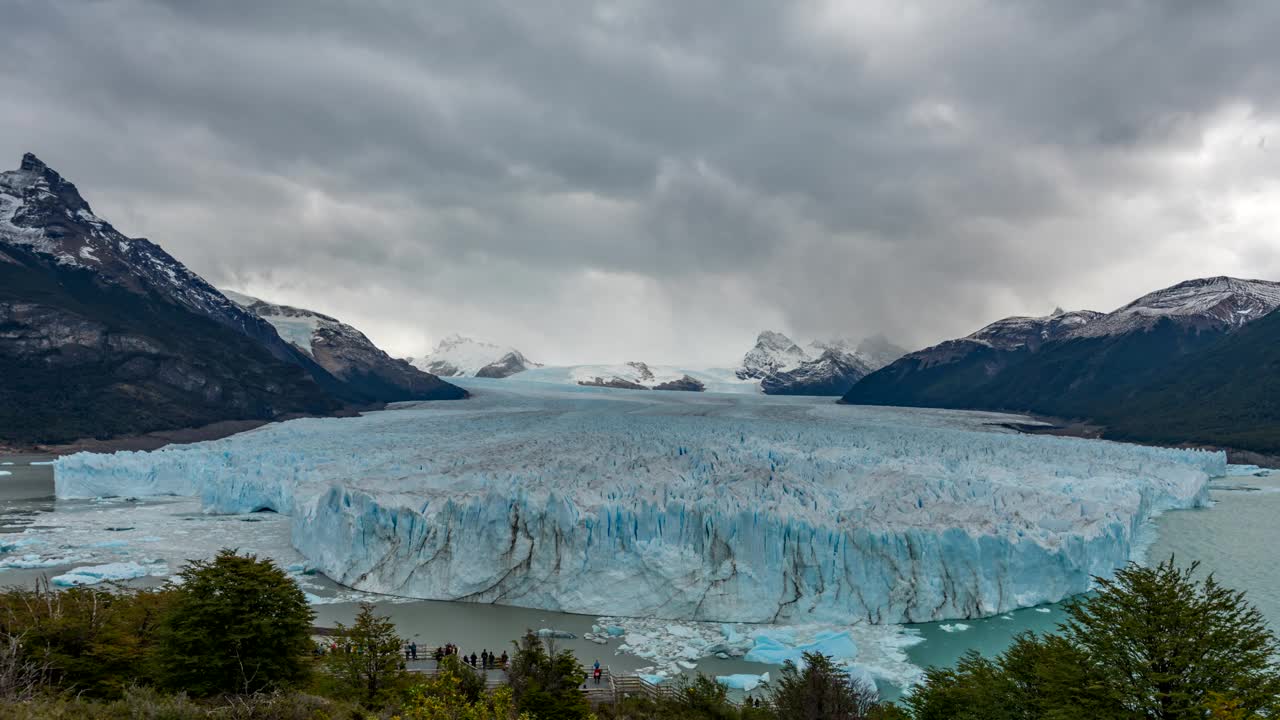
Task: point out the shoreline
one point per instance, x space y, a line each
160 438
1090 431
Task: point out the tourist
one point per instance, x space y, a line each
473 659
598 673
484 659
503 660
413 649
439 654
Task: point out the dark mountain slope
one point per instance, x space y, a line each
103 335
1171 366
80 360
1228 394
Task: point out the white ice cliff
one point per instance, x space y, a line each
695 506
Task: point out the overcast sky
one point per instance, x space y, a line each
659 181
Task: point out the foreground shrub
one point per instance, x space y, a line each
149 704
89 640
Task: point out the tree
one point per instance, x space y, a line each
237 625
1163 644
703 697
820 691
368 660
1152 644
544 681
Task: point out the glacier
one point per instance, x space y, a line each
687 506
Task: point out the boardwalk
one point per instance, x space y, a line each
610 689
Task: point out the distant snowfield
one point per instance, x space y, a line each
687 506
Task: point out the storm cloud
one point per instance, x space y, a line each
659 181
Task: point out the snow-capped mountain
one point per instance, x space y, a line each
104 335
343 351
44 214
1089 365
831 373
772 352
1216 303
829 367
1013 333
636 376
458 356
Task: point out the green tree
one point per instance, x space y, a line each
1152 644
821 691
702 697
237 625
1162 644
544 680
368 660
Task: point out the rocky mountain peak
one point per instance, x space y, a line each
42 185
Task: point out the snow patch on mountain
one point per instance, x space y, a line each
1215 303
43 213
458 356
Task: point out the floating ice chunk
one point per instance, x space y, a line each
94 574
615 631
1042 610
777 648
5 472
9 545
742 681
43 462
550 633
652 679
31 561
953 627
1243 470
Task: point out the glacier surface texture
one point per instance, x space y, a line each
696 506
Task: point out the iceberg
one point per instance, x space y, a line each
742 681
773 650
684 506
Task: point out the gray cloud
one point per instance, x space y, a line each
630 180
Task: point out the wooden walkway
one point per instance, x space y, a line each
610 689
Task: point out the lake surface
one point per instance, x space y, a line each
1235 539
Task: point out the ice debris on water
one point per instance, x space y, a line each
708 507
94 574
874 650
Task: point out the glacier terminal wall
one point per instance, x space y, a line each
703 507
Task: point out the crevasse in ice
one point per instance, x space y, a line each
682 505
